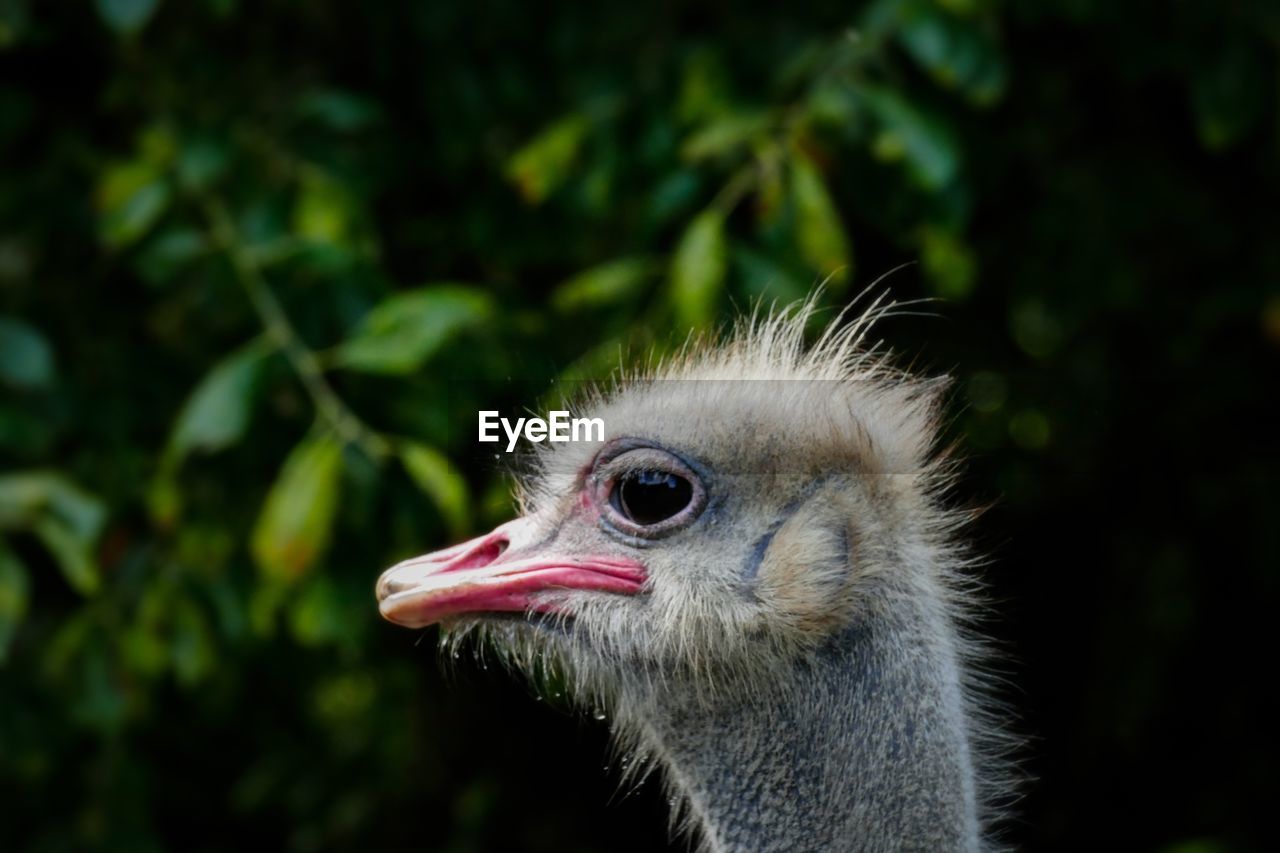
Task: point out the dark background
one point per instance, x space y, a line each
237 233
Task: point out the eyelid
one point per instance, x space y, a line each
614 463
640 459
630 463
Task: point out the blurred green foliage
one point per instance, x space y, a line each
251 252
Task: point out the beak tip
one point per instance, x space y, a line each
388 585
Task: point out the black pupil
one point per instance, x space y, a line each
648 497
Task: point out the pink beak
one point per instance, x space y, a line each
477 577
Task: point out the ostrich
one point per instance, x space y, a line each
756 574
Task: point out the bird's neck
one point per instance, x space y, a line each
863 746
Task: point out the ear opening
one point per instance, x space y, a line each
806 566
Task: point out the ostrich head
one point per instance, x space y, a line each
758 516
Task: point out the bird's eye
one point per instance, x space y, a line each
649 496
644 491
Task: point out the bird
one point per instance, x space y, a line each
757 572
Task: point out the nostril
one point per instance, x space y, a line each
412 574
389 586
482 555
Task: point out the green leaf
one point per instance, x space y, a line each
27 496
724 135
954 51
344 699
820 234
143 646
948 263
704 87
15 24
601 285
65 518
216 414
164 497
496 504
316 615
1036 329
202 160
157 144
1228 95
72 552
770 195
672 196
439 480
131 197
168 253
126 16
15 590
407 328
191 644
833 106
763 278
100 698
339 110
265 603
26 359
324 211
296 521
698 269
65 647
542 166
922 139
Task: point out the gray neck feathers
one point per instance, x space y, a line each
864 745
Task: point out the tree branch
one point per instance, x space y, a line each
280 331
